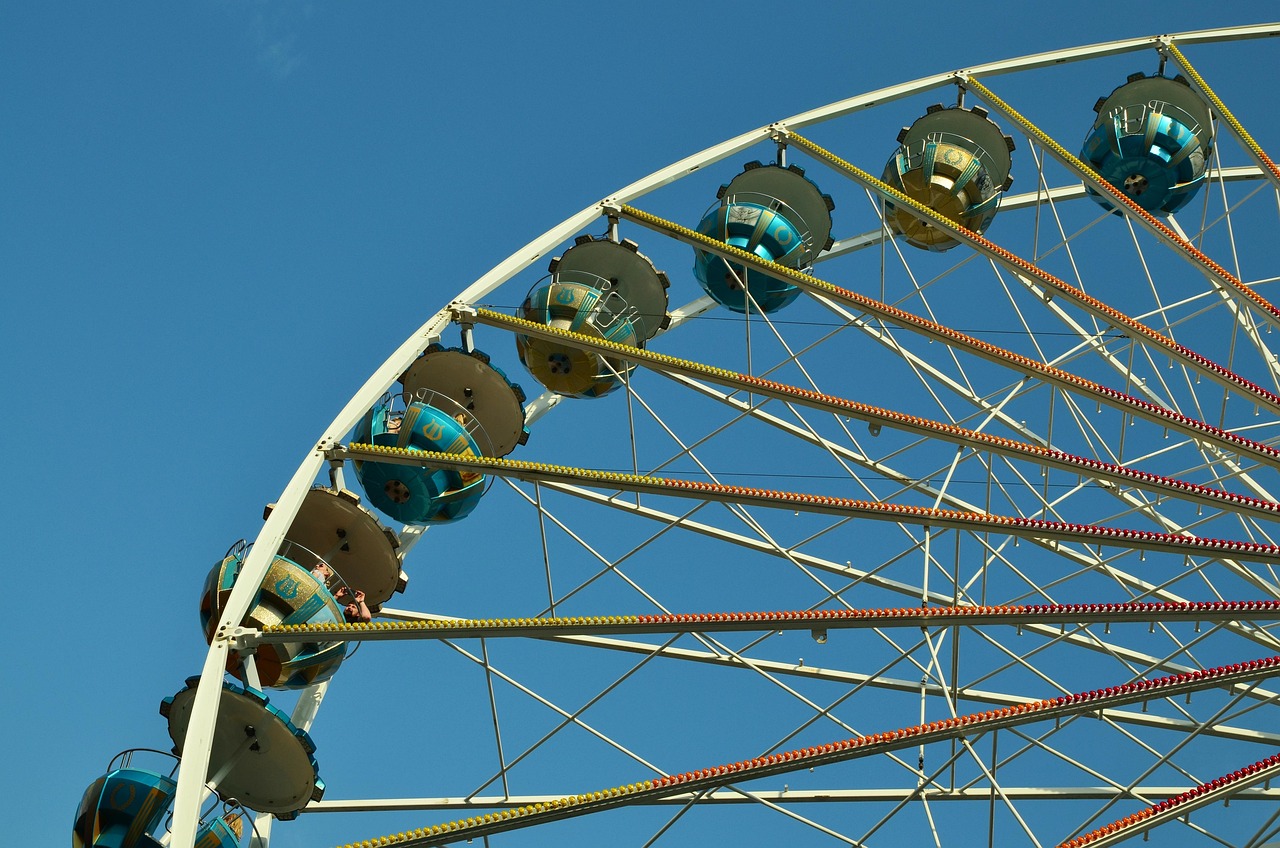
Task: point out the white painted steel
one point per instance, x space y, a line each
195 764
789 796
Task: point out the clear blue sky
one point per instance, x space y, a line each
216 218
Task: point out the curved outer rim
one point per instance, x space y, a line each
195 765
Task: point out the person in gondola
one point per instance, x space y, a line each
354 608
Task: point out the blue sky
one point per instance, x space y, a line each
216 218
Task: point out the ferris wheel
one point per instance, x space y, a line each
903 470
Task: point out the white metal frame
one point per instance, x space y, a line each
195 763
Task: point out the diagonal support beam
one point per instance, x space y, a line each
1033 528
1218 275
1252 147
875 795
977 440
1101 311
946 730
1215 612
1023 365
1226 788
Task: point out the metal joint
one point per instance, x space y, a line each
241 638
462 313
